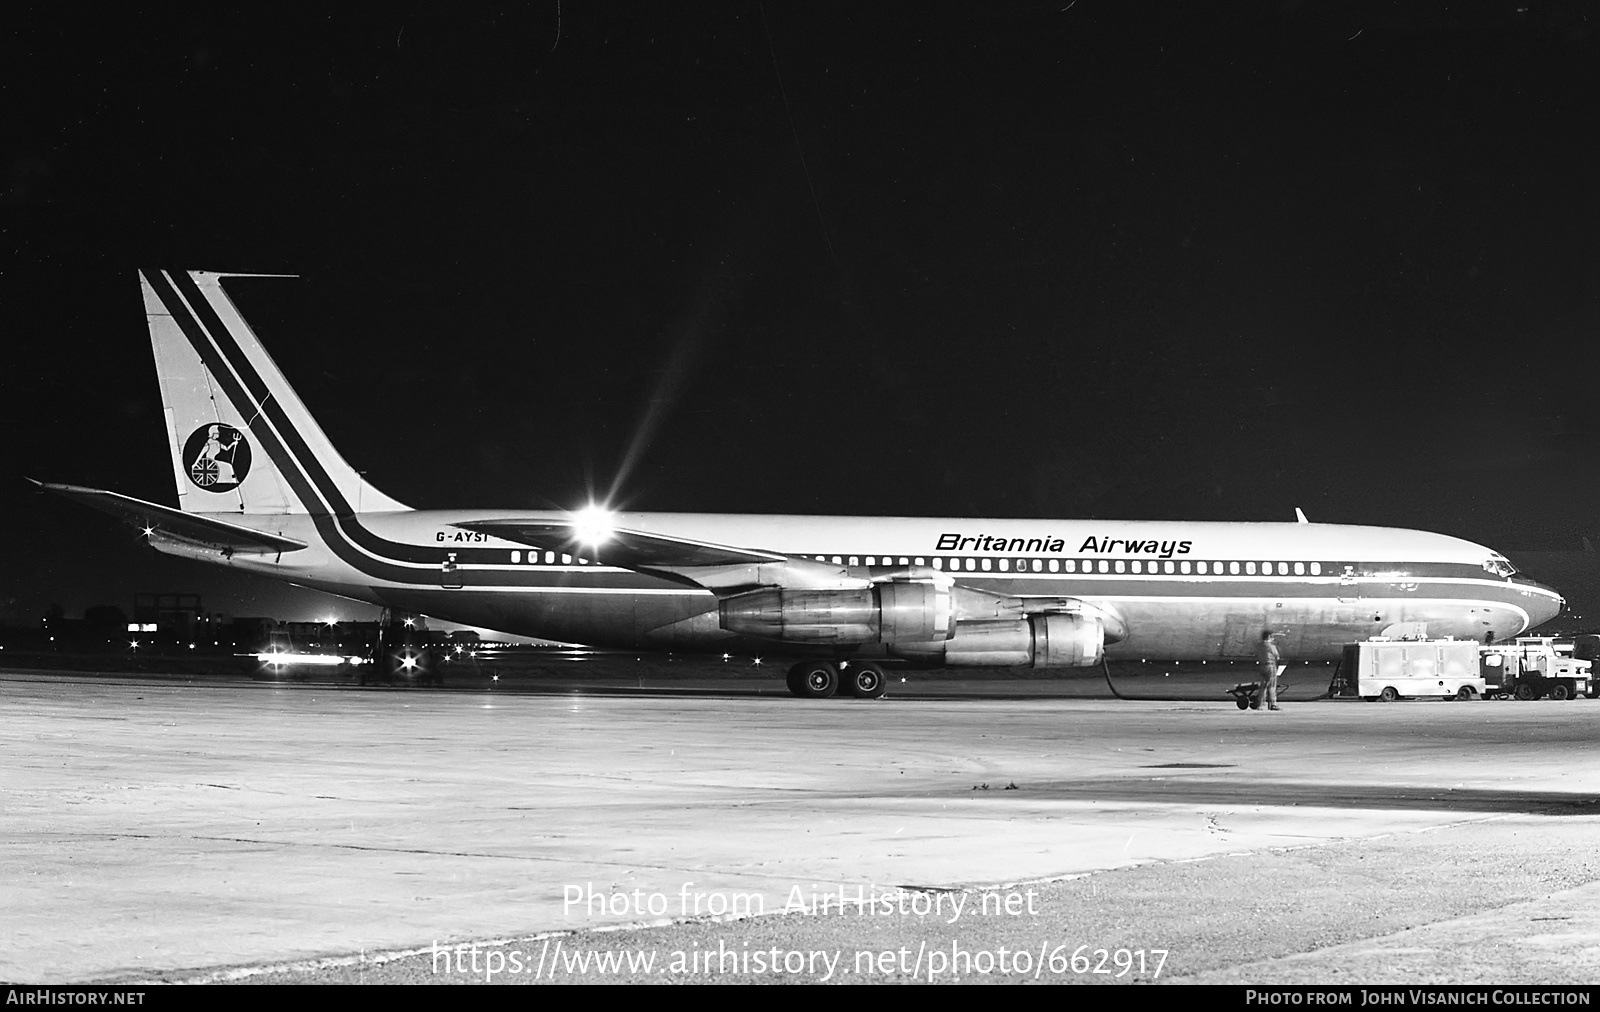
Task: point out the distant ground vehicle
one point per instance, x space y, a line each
1586 647
1386 670
1534 667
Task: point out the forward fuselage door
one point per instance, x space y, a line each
1349 588
450 573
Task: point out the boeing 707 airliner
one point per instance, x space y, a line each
261 488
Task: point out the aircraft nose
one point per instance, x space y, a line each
1544 603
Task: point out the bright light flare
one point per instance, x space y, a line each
593 525
282 658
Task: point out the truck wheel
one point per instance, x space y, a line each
1242 703
1389 694
1464 693
1559 691
1524 692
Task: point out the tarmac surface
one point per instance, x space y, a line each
171 828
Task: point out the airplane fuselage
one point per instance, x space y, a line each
1183 591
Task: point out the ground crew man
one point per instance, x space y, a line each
1267 656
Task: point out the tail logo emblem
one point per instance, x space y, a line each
218 457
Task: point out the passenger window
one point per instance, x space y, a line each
986 565
1071 565
1005 565
566 560
1250 568
1283 569
1054 565
1167 566
1299 569
516 556
855 560
1200 567
938 563
837 561
549 557
1121 566
1233 568
1316 569
903 561
1138 566
1102 565
1183 566
871 560
1037 565
969 565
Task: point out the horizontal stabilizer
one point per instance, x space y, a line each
625 549
187 527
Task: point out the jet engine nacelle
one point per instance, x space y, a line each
899 612
1039 641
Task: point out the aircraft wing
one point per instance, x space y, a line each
725 570
186 527
623 548
721 569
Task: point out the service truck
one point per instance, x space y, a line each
1390 669
1533 667
1586 647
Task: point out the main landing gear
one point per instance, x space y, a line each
821 679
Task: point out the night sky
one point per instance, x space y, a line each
1208 261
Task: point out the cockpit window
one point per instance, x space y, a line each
1499 565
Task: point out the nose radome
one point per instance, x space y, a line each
1545 604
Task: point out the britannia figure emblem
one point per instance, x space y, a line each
218 457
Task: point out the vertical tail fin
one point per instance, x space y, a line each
240 438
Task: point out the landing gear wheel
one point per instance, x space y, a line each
818 679
1242 703
1559 691
1389 694
1524 692
1464 693
863 680
813 679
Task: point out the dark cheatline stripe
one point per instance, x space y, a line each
280 455
214 364
327 525
294 442
260 394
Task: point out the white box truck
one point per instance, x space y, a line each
1386 670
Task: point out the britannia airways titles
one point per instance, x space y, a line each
1091 545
